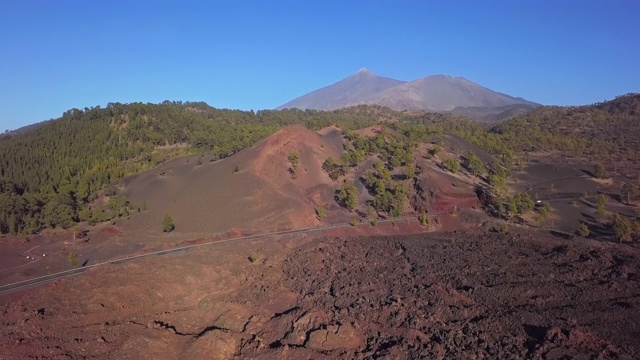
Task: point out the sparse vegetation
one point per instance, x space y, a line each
320 212
355 222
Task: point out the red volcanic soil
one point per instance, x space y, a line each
439 295
213 198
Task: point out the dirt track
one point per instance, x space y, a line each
452 295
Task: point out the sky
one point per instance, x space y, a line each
63 54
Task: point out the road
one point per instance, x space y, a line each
4 289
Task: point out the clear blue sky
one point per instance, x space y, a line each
61 54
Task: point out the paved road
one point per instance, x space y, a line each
51 277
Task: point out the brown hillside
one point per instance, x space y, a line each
211 197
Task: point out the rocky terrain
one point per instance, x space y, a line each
440 295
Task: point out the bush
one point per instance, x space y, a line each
599 171
622 228
451 164
601 203
73 259
423 219
167 224
348 196
254 256
583 230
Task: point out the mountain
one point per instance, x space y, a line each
346 92
431 93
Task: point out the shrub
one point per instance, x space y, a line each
73 259
601 203
423 219
348 196
167 224
583 230
622 228
599 171
254 256
451 164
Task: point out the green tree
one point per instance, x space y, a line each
410 171
73 259
423 219
320 212
599 171
622 228
236 169
167 224
583 230
293 161
348 196
475 164
451 164
601 203
628 191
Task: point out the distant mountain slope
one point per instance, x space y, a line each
607 129
431 93
442 93
346 92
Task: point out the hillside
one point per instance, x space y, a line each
206 197
52 174
431 93
609 130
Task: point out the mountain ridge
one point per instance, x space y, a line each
434 93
